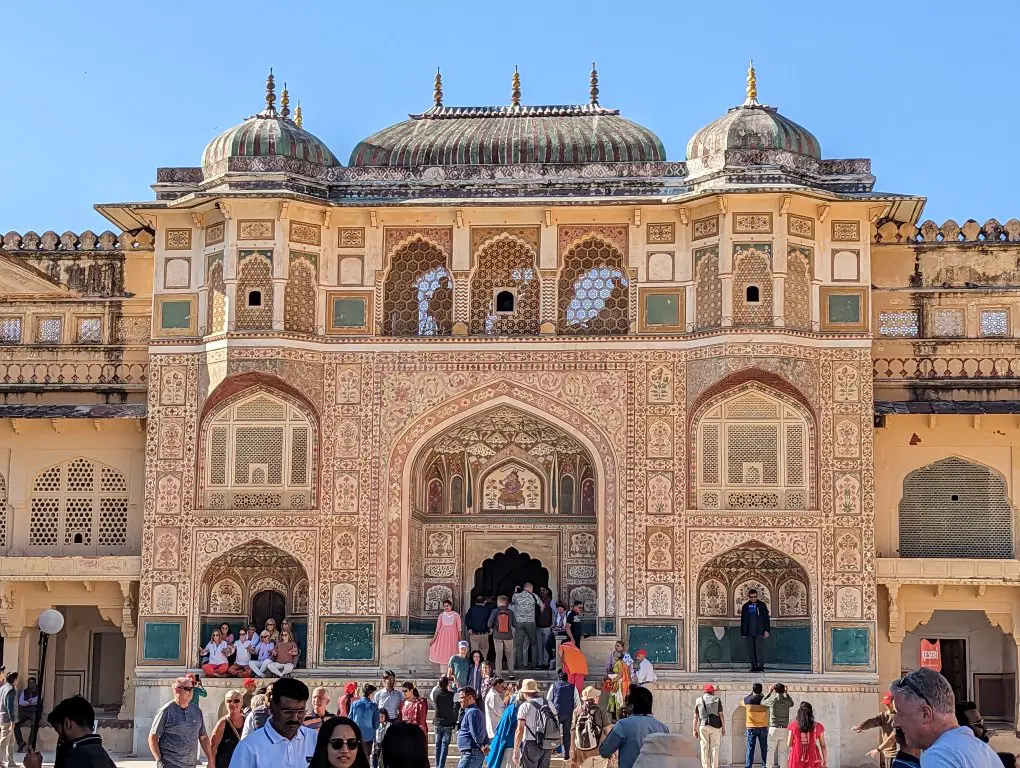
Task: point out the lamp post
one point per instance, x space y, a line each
50 623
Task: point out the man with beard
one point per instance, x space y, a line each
967 714
283 742
77 746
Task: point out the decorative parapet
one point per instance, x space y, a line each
101 568
50 241
930 233
945 570
69 368
960 360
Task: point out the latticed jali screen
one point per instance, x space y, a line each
954 508
77 506
509 264
593 290
752 454
418 292
257 457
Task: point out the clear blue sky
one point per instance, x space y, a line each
98 95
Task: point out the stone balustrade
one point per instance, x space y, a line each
965 360
69 367
71 241
949 232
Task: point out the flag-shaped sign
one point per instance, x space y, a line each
931 655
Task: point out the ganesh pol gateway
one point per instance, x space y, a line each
509 343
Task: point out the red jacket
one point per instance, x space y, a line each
414 711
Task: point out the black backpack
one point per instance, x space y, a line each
547 733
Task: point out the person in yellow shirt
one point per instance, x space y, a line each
756 720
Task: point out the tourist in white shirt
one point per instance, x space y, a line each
244 648
282 742
495 703
644 673
217 650
265 658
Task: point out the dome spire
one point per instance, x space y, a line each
297 115
270 93
594 90
437 94
752 86
515 94
285 102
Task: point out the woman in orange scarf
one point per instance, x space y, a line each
574 663
619 684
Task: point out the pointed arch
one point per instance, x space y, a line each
593 289
752 269
418 289
506 262
956 507
254 291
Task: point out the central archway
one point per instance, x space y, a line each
502 573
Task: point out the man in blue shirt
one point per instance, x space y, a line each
754 628
472 739
629 733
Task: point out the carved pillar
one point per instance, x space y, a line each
279 286
779 300
461 302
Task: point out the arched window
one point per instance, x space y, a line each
752 285
258 455
593 290
255 291
418 292
505 289
753 454
955 508
566 500
79 507
752 294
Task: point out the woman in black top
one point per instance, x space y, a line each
227 732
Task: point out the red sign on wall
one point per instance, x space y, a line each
931 655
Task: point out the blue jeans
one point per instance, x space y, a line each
473 759
761 735
443 735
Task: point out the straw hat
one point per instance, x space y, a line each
590 693
529 686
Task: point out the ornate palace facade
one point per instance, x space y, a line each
516 342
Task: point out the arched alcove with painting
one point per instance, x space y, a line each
252 583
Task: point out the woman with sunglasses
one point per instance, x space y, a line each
227 732
339 746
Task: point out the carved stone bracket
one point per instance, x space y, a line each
895 630
127 626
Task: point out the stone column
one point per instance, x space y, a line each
128 629
279 287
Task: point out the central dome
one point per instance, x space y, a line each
753 126
510 135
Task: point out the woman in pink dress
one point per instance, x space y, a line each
448 634
806 740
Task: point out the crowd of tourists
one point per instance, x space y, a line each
273 652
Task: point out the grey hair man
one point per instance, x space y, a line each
926 713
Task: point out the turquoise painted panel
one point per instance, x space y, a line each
349 312
175 314
851 646
162 641
788 646
662 641
844 308
662 309
348 641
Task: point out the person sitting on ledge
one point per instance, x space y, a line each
286 653
217 650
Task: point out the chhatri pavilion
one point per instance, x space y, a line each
508 343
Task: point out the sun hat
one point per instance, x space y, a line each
590 694
529 686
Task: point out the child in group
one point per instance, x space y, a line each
380 734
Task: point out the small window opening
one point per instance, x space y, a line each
505 302
254 298
955 497
753 295
78 539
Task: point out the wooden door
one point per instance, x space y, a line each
954 666
267 605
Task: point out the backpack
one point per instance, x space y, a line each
588 731
711 719
547 733
503 621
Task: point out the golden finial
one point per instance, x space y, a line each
437 94
270 91
594 91
752 85
297 115
285 101
515 95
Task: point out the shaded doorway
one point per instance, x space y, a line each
501 574
954 666
107 678
268 605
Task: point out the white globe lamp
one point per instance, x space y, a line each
51 621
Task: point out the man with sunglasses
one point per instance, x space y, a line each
283 742
926 713
178 729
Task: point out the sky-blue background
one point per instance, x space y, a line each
98 94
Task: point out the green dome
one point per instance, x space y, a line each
753 126
268 134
